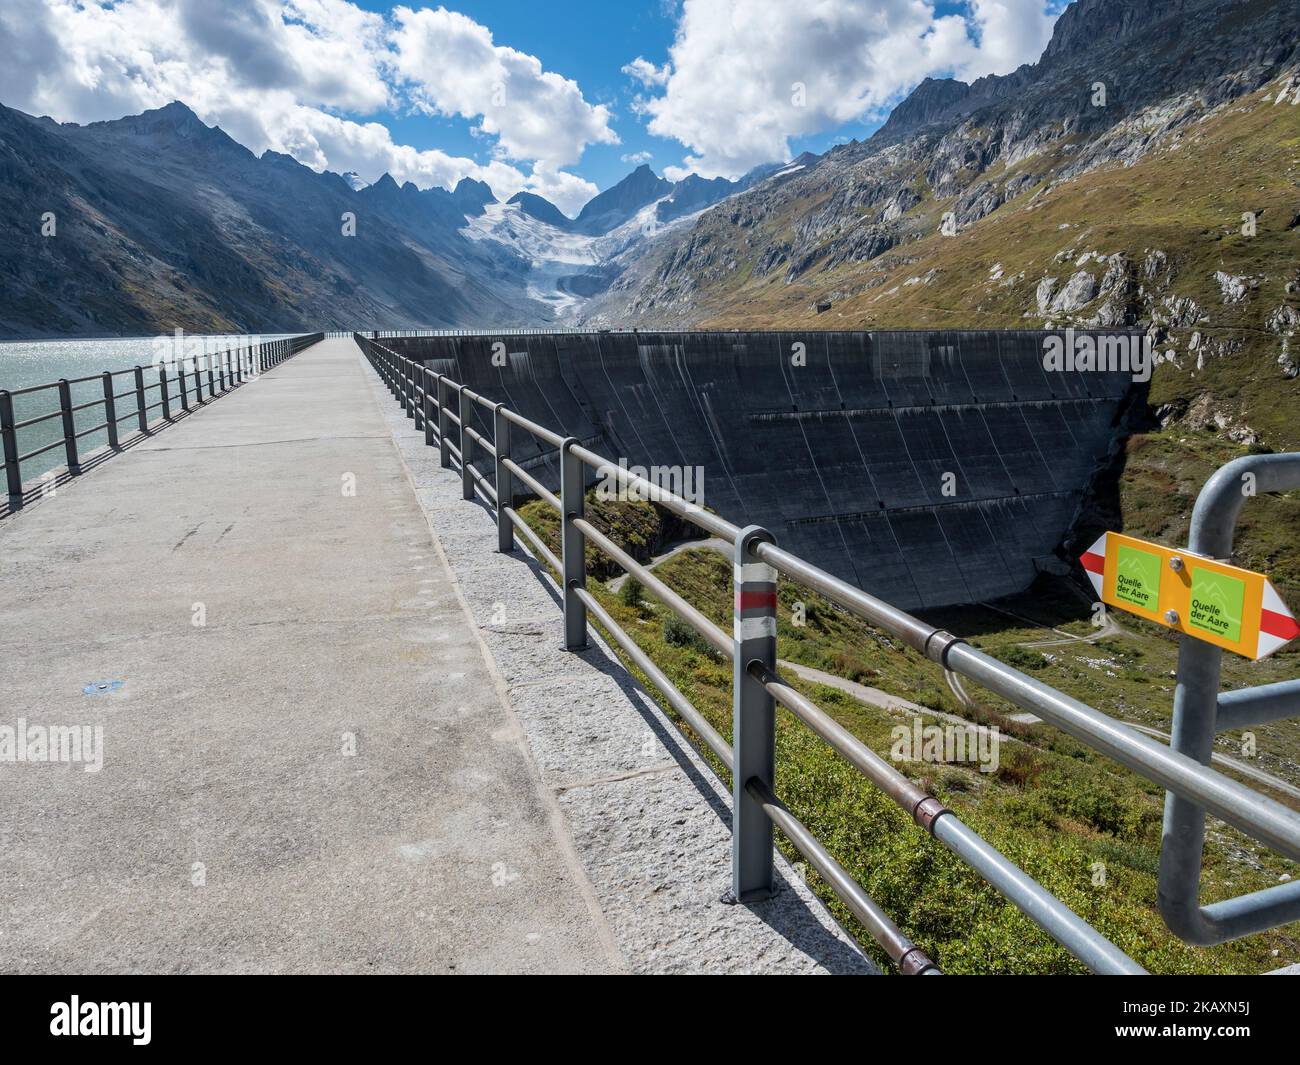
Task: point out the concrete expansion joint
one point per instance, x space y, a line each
615 778
557 681
521 626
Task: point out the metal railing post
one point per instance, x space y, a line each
753 719
418 395
141 406
212 378
9 441
1196 721
444 423
162 390
428 405
504 484
69 426
110 411
185 397
221 369
573 545
464 409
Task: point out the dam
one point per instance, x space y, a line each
339 725
929 468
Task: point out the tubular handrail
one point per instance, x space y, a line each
1184 777
399 373
225 370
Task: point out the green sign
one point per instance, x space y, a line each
1137 578
1217 602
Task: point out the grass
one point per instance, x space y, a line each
1083 827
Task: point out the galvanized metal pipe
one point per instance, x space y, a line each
1195 724
539 489
534 541
1039 904
1255 706
911 960
713 634
573 549
692 512
1255 814
711 737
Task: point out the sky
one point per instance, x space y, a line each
558 97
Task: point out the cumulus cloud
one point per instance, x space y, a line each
637 158
282 74
1008 33
745 76
456 69
646 72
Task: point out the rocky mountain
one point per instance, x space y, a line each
156 221
542 209
620 202
1143 172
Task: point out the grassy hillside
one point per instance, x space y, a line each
1053 806
1166 228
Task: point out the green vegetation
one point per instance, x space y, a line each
1186 200
1053 806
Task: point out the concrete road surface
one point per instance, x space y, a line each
307 761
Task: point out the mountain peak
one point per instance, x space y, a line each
931 100
620 202
472 196
541 208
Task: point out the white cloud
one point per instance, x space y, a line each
637 158
744 76
280 74
647 73
455 69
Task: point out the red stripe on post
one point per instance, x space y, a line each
1094 563
1282 626
756 600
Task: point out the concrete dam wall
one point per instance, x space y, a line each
928 468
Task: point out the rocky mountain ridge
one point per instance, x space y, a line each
1113 183
159 221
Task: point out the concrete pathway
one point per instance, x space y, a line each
649 820
308 760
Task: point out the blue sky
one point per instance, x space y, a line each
560 97
591 44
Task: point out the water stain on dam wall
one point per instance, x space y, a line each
928 468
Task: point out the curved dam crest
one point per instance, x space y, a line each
929 468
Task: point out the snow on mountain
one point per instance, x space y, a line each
566 268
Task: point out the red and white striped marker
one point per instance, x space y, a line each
1277 625
1094 564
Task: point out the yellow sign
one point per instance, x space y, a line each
1229 607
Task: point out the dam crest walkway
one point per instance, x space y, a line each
320 748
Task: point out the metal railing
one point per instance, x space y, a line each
436 402
222 372
1201 711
